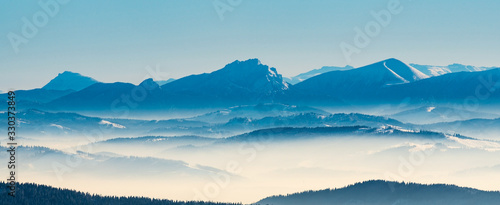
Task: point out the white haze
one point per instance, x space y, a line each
264 168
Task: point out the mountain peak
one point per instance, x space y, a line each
393 59
68 80
254 61
253 73
401 70
247 81
69 73
249 66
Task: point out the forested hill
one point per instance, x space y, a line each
378 192
28 193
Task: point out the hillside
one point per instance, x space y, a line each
29 193
386 192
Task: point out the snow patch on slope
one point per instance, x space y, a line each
478 144
104 122
58 126
395 74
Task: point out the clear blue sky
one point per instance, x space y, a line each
116 40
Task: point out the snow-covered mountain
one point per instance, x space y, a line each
432 70
429 70
479 86
69 81
360 82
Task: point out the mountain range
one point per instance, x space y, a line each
250 82
431 70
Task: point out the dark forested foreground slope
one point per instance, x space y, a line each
369 192
384 192
35 194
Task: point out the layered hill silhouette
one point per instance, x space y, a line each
37 123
